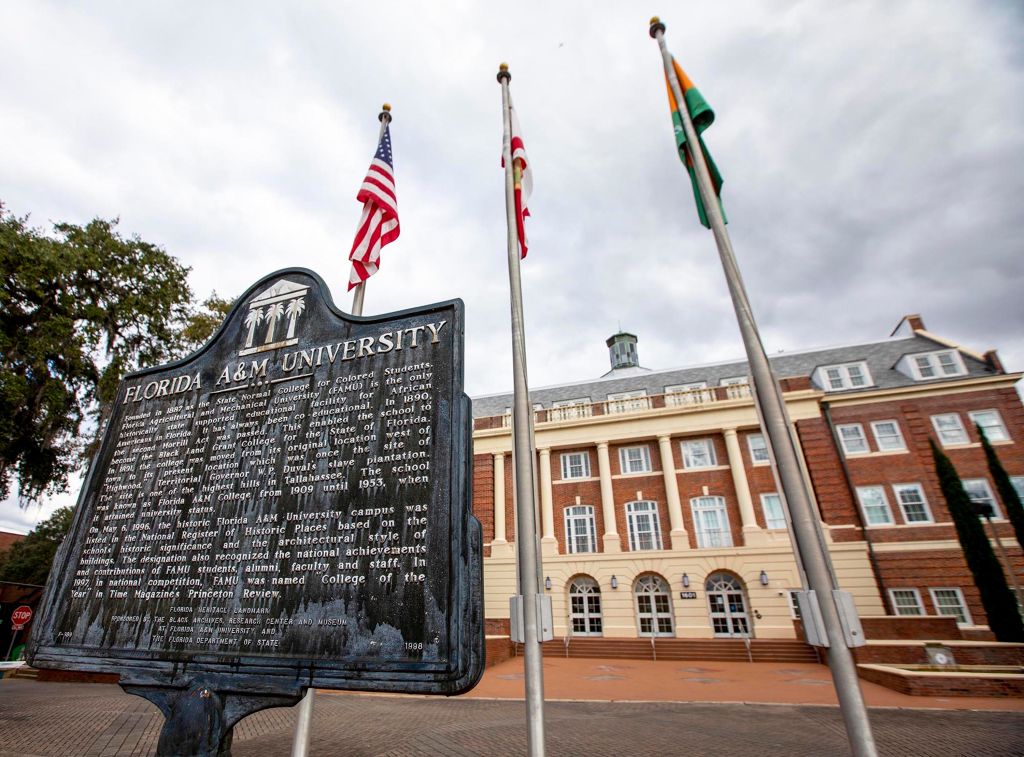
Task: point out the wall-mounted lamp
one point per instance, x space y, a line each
615 582
764 578
686 581
547 583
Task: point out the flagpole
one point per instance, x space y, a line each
526 536
807 544
360 290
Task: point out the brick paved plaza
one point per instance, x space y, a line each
98 720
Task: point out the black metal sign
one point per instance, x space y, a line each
288 507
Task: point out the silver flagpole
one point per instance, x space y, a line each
304 724
808 547
526 536
360 290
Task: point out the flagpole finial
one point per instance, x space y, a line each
385 112
656 26
503 74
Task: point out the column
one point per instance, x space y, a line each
739 480
499 546
548 543
675 506
604 470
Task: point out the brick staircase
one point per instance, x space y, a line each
717 650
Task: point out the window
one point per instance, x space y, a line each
929 365
887 435
653 606
696 393
834 378
758 448
699 453
906 601
1018 485
634 459
950 601
851 436
912 503
980 493
644 527
711 522
628 402
874 505
585 607
580 534
991 424
950 429
773 515
794 605
732 381
575 465
566 410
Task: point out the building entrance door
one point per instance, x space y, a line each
585 607
728 606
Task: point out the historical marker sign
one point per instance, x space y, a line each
289 506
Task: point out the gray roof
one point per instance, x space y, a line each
881 358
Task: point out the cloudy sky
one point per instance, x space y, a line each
873 156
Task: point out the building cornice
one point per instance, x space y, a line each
960 386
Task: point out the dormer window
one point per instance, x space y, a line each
924 366
835 378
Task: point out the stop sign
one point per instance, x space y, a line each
20 617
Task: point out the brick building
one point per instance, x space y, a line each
660 513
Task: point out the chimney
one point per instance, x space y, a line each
992 361
914 322
622 350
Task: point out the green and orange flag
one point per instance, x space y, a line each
702 117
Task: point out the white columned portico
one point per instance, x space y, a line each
742 486
604 471
499 546
678 535
548 543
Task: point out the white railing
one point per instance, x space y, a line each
737 391
570 412
692 398
628 405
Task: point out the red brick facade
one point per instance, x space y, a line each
931 559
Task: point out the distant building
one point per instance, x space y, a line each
8 539
660 514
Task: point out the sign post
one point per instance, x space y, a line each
287 508
20 618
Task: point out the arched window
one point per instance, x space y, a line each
585 607
653 606
728 605
580 534
644 527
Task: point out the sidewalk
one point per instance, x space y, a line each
572 679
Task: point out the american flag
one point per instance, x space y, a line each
523 186
379 224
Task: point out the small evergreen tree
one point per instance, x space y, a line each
997 599
1008 495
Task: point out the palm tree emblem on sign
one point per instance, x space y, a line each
284 299
274 313
294 310
252 320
